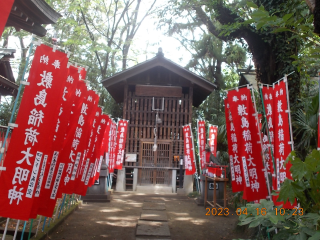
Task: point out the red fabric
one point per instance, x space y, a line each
84 145
121 143
281 137
235 165
97 152
4 13
189 161
112 146
46 205
246 145
34 134
207 156
213 138
214 170
202 140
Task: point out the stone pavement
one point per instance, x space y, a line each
134 216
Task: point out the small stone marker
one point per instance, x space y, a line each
151 215
148 228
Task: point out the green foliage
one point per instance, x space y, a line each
290 224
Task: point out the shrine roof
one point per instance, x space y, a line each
30 15
201 87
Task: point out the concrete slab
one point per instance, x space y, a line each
148 228
151 215
153 206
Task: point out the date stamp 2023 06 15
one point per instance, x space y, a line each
259 211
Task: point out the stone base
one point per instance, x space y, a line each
152 229
97 197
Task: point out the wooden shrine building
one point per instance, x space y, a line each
157 97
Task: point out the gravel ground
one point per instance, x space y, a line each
118 218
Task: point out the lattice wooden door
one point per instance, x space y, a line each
155 165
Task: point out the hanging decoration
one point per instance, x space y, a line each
189 160
32 139
121 143
235 165
201 132
246 144
213 138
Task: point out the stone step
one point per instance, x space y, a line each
152 215
154 206
152 229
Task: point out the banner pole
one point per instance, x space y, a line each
30 229
49 222
289 111
58 205
24 228
194 159
5 229
44 223
198 144
38 226
259 133
64 198
265 117
17 99
16 230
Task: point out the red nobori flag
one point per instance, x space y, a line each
79 143
80 94
189 161
201 141
46 205
88 159
282 144
235 165
4 13
97 154
246 144
268 146
112 146
31 140
213 138
121 143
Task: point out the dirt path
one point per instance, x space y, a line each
118 219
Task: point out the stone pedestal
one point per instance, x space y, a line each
121 180
135 179
99 192
187 185
174 181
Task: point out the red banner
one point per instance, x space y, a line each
31 141
268 146
4 13
97 153
246 144
121 143
189 161
213 138
201 125
282 141
44 189
235 165
112 146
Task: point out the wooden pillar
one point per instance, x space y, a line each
125 97
190 103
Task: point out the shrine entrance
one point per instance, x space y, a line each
154 165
